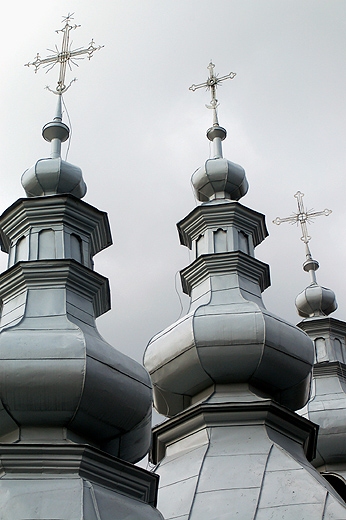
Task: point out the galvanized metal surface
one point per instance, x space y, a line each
53 175
55 227
219 179
315 300
228 336
327 405
59 379
246 461
62 386
72 482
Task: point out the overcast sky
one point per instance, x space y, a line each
138 133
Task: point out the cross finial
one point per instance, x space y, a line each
65 57
211 84
304 217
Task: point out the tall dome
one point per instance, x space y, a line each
229 374
75 412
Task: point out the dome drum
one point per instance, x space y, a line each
244 228
74 230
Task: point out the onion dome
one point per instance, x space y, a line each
219 178
315 300
53 175
57 372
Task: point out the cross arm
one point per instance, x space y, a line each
38 61
279 220
231 75
90 50
200 85
325 212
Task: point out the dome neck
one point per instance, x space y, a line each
310 265
56 132
216 134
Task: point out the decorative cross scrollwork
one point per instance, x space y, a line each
211 84
302 217
65 57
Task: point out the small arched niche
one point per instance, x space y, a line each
76 248
46 244
243 242
21 250
201 245
220 241
321 350
338 350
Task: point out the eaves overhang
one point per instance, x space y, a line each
207 415
225 263
218 215
55 209
51 273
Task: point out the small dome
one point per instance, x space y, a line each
316 301
219 179
53 176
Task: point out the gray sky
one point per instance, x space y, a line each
139 133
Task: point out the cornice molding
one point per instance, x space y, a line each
219 215
225 263
55 210
327 369
323 326
207 415
48 274
89 463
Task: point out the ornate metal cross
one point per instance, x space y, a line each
211 84
65 56
302 217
